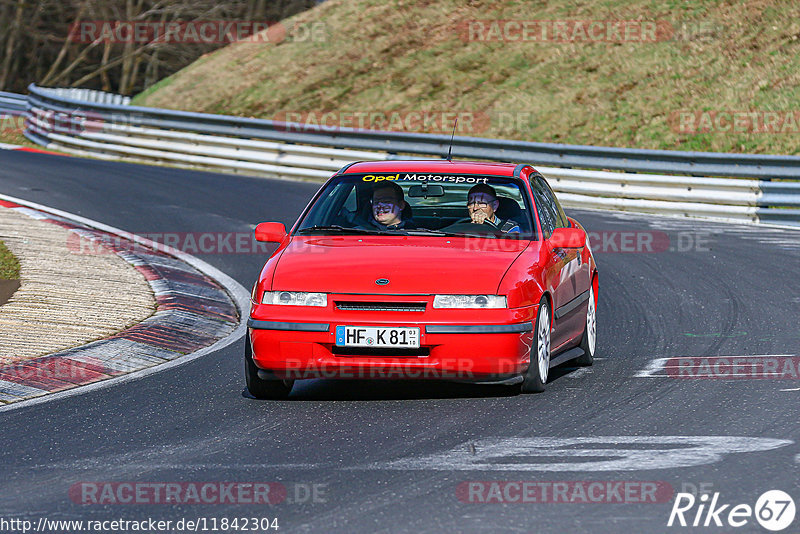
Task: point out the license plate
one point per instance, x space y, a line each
377 336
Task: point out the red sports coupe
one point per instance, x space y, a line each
425 270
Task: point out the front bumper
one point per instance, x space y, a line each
464 347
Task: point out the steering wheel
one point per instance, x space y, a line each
466 226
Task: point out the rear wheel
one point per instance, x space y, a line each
589 339
258 387
536 376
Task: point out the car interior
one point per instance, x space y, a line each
438 211
431 206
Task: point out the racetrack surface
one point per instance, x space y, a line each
389 456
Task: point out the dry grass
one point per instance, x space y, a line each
11 128
406 55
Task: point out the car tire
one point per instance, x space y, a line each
536 375
589 340
258 387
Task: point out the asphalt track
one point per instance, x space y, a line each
390 456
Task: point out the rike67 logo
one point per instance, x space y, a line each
774 510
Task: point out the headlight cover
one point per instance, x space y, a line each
469 301
295 298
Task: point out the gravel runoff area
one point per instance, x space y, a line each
65 299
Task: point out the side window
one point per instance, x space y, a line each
561 215
548 217
329 206
549 198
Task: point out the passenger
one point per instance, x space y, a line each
387 207
482 204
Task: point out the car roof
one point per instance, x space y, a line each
435 166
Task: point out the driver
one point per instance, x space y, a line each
387 207
482 204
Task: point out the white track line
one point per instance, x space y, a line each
239 295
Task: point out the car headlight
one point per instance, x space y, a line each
295 298
469 301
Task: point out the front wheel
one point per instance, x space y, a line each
536 375
257 386
589 340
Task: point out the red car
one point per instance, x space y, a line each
423 269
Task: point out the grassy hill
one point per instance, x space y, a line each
382 56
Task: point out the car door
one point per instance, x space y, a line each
563 265
583 274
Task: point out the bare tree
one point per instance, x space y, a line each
11 41
40 40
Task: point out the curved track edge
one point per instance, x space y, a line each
199 312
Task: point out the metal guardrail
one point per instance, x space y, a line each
766 188
13 104
89 95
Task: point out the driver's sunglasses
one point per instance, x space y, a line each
480 204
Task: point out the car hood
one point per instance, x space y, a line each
412 264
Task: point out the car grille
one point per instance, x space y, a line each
381 306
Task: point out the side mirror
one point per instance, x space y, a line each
568 238
270 232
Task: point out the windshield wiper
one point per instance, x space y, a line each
335 228
425 231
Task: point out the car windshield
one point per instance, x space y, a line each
402 203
